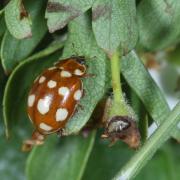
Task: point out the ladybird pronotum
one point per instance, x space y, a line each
53 98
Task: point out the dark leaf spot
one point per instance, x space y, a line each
58 7
64 23
23 12
102 11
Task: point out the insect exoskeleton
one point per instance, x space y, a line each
53 98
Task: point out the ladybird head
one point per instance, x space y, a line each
74 65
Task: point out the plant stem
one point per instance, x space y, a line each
115 72
139 160
119 105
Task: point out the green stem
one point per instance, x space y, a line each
119 106
115 72
139 160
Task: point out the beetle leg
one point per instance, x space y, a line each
89 75
60 132
79 106
37 139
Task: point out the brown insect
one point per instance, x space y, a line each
54 97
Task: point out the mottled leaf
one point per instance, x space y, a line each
13 51
114 24
81 42
60 12
17 19
142 83
158 23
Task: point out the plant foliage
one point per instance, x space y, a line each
36 34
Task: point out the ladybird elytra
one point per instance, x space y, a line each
54 96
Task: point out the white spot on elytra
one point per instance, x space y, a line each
42 79
61 114
78 95
45 127
78 72
64 91
31 100
51 84
44 104
65 74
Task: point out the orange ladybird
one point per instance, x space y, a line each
54 97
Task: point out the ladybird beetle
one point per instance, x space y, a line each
54 97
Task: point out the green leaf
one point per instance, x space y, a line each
2 83
105 161
80 34
114 24
158 23
19 83
60 12
13 51
56 160
2 25
173 56
141 115
144 86
12 160
163 163
1 10
17 19
140 159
